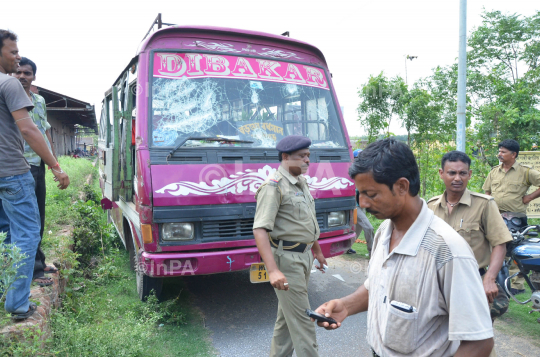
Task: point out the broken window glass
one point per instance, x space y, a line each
260 111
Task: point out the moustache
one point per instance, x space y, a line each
371 211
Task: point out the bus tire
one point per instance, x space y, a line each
147 284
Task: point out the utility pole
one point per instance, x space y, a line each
408 58
462 76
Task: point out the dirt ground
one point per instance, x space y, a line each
509 345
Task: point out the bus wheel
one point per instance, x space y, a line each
145 285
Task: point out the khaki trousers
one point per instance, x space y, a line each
362 223
293 329
517 282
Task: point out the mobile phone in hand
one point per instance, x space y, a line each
319 317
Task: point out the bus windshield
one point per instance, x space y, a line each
260 101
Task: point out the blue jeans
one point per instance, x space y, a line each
19 217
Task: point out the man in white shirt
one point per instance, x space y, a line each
424 293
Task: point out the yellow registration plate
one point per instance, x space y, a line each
258 273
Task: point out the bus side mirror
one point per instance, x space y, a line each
106 204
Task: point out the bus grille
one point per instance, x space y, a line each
320 220
236 228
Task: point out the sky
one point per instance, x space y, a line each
80 47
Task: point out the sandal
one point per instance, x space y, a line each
45 281
21 316
50 269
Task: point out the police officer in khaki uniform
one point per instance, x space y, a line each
508 184
286 233
476 218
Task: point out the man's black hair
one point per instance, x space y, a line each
280 155
455 156
511 145
6 35
388 160
26 61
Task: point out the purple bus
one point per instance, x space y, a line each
188 134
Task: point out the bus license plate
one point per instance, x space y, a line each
258 273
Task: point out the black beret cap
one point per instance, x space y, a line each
292 143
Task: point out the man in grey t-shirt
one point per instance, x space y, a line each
12 145
19 215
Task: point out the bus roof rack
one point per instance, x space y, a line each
159 24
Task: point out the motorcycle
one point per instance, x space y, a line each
524 250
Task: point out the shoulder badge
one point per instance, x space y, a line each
477 194
434 198
527 166
274 180
271 181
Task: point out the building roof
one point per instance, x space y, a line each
68 110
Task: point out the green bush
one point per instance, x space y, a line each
90 236
103 316
29 344
90 194
10 261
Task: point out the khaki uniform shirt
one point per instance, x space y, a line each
508 188
433 270
286 209
476 218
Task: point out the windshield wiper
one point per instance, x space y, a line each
206 138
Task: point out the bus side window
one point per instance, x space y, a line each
111 122
103 124
133 92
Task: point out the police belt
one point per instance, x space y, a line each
291 246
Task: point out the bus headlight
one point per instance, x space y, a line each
177 231
336 218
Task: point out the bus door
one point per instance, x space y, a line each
117 153
126 94
106 147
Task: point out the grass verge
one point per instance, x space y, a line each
101 313
518 322
104 317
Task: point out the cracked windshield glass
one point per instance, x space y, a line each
236 98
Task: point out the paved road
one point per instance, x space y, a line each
241 315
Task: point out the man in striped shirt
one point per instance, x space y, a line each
424 293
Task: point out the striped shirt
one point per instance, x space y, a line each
433 269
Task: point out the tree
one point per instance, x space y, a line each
503 97
504 71
381 99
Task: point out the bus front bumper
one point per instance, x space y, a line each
203 263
